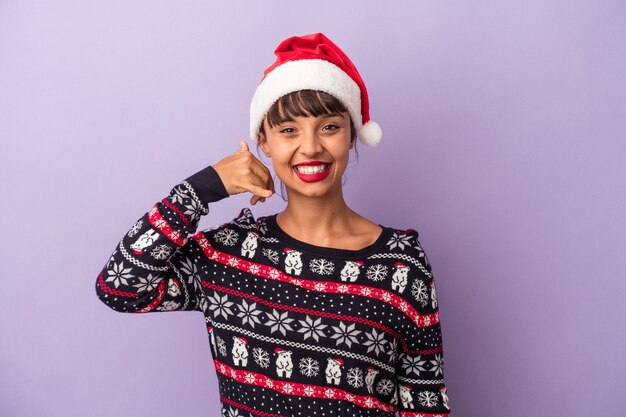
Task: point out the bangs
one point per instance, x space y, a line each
303 103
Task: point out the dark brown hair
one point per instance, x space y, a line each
304 103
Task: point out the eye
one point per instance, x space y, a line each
285 130
334 126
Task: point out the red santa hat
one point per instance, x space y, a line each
314 62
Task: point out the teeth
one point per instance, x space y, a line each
311 169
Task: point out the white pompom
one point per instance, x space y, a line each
370 134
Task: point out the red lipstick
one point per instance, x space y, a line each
313 177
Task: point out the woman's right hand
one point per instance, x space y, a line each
242 171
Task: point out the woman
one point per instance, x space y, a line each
313 311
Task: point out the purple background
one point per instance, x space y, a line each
504 145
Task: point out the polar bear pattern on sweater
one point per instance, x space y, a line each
293 261
240 351
399 278
284 364
249 245
350 271
333 370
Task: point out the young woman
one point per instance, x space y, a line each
312 311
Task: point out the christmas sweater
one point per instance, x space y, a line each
294 329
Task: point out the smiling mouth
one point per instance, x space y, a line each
311 169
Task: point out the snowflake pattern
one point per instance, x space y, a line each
355 377
227 236
420 292
279 321
194 210
345 334
312 328
392 350
233 412
221 346
179 194
375 341
437 367
118 274
168 306
322 266
399 240
161 252
309 367
377 272
189 268
385 386
135 229
261 357
427 398
271 254
220 305
412 364
148 283
248 313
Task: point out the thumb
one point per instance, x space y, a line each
243 145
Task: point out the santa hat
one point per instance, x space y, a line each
314 62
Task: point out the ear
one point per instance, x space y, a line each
263 144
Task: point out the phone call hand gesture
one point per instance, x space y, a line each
242 171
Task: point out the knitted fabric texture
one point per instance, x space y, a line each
294 329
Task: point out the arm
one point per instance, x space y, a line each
419 372
152 269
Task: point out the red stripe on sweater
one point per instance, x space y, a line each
159 223
181 215
270 272
301 390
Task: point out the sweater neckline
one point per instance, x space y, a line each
294 243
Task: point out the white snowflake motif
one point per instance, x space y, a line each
279 321
343 288
168 306
250 378
385 387
288 388
135 229
233 412
227 236
220 305
309 367
189 268
420 292
427 398
392 350
412 364
221 345
309 390
345 334
118 274
148 283
161 252
254 269
322 266
399 240
248 313
312 328
261 357
377 272
179 194
355 377
437 367
271 254
320 286
194 210
375 341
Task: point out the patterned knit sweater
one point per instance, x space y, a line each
294 329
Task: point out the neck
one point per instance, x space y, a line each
314 219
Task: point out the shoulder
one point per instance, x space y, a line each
241 226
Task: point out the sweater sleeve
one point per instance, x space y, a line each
154 267
419 371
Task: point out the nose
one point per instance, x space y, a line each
310 144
